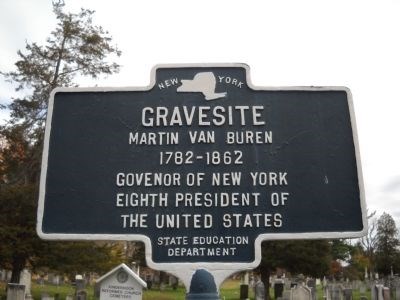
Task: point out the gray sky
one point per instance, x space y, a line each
286 43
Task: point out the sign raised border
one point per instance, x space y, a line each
223 269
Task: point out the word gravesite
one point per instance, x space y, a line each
201 166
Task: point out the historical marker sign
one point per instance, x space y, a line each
201 165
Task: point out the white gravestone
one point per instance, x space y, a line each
378 292
15 291
121 283
26 280
287 295
259 290
301 293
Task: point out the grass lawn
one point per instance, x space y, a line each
229 291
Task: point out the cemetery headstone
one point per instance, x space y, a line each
163 286
156 280
15 291
386 293
363 289
50 278
244 286
337 292
46 296
287 295
327 290
312 284
278 287
373 289
348 294
288 283
244 291
377 292
56 280
40 280
357 284
173 282
301 292
397 292
8 275
259 290
82 295
149 282
79 283
121 282
324 282
26 280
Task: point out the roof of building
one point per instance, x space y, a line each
127 270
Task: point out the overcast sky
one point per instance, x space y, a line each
285 43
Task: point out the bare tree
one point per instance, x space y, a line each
370 240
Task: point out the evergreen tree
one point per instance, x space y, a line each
74 258
18 201
309 257
76 47
359 262
387 243
341 250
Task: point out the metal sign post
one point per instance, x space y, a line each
201 166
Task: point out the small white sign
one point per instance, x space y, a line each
121 283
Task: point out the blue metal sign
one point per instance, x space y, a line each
201 165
